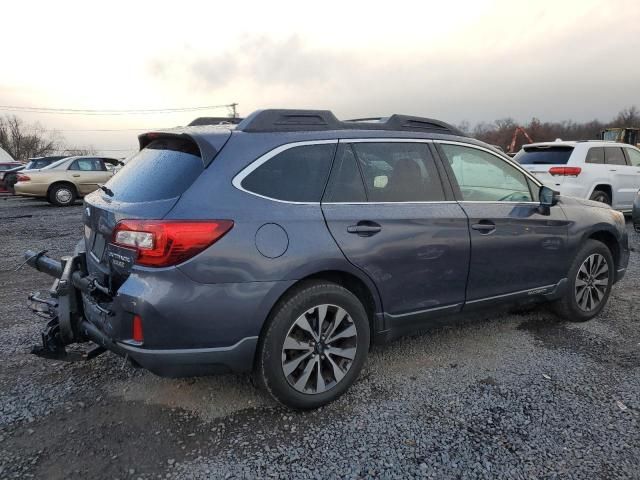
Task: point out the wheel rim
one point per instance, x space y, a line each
319 349
592 282
63 195
600 198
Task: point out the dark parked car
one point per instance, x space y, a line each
9 177
289 244
5 170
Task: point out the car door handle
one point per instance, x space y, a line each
485 227
613 170
75 175
364 228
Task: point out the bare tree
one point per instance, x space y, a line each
23 141
75 151
629 117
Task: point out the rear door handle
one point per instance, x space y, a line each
75 175
485 227
364 228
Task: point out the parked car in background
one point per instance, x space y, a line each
65 180
603 171
9 177
289 244
7 163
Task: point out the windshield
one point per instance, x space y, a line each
544 155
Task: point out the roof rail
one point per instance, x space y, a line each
278 120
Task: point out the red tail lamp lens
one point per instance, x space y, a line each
162 243
23 178
137 329
565 171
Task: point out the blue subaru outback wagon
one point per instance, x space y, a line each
287 244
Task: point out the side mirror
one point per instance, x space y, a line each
548 196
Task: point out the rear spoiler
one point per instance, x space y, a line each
209 142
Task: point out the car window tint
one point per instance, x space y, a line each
484 177
298 174
614 156
634 156
595 155
399 172
163 169
345 183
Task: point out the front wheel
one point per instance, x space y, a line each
590 280
314 346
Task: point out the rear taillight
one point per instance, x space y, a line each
162 243
23 178
565 171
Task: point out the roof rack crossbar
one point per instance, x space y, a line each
276 120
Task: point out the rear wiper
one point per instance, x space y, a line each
106 190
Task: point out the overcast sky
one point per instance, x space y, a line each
457 61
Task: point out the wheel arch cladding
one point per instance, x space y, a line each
345 279
610 240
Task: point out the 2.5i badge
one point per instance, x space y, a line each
121 259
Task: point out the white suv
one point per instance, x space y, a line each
607 172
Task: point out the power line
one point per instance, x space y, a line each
88 111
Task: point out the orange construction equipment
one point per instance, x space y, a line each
512 146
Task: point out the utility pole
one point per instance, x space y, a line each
234 112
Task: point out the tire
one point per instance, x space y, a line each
290 375
600 196
62 195
575 305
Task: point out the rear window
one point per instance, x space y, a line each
163 169
544 155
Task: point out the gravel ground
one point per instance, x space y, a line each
511 396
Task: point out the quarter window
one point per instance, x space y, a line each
614 156
634 156
398 172
595 155
484 177
298 174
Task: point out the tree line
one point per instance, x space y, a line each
500 132
27 140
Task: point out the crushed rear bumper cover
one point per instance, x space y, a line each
74 306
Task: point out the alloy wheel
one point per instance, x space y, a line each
592 282
319 349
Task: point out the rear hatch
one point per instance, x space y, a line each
147 187
539 159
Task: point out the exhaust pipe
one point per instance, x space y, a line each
44 264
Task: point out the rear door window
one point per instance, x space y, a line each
595 155
558 155
298 174
87 165
614 156
163 169
398 172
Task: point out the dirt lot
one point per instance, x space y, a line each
513 396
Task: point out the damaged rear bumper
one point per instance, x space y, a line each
81 309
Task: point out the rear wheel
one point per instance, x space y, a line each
314 347
590 280
62 195
600 196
